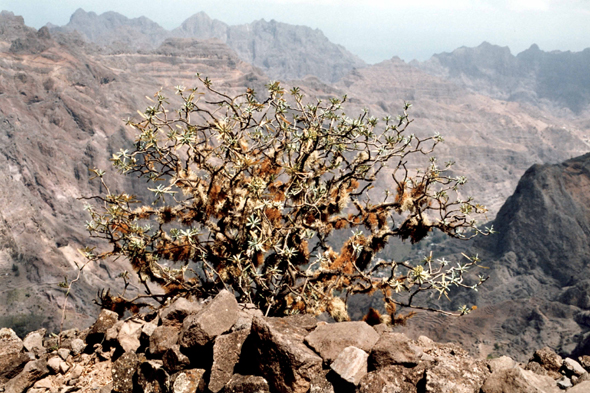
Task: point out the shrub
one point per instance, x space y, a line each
256 196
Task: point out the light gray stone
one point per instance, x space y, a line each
78 346
501 363
330 340
517 380
573 368
129 334
33 342
351 364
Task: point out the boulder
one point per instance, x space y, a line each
330 340
12 359
216 318
33 342
112 333
392 349
582 387
163 338
148 329
393 379
284 360
174 360
454 371
246 384
129 334
175 313
548 359
571 368
517 380
189 381
152 377
351 364
226 354
501 363
77 346
106 319
245 316
31 373
123 371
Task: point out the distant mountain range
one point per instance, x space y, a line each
281 50
64 92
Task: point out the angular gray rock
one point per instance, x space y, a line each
226 354
284 360
12 359
392 349
330 340
33 342
106 319
31 373
176 312
152 377
123 371
571 367
392 379
163 338
77 346
174 360
582 387
216 318
351 364
517 380
501 363
247 384
129 335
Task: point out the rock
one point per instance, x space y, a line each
320 384
112 333
226 354
517 380
129 334
63 353
392 379
285 361
151 377
54 363
548 359
585 361
351 364
246 384
564 383
175 313
216 318
77 371
31 373
77 346
382 328
174 360
245 316
63 367
163 338
571 367
189 381
106 319
33 342
148 329
583 387
123 371
12 360
392 349
331 339
454 371
501 363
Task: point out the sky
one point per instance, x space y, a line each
375 30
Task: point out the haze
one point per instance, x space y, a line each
375 30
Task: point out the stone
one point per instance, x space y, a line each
331 339
454 371
564 383
163 338
285 361
12 359
501 363
174 360
246 384
112 333
129 334
548 359
63 353
175 313
152 377
66 337
226 354
351 364
77 371
31 373
78 346
320 384
392 349
148 329
54 363
216 318
571 368
63 367
393 379
33 342
189 381
517 380
123 371
585 361
106 319
582 387
245 316
382 328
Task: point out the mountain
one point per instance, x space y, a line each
550 80
283 51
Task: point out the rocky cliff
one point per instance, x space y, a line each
550 80
283 51
223 346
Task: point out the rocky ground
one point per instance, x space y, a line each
222 346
